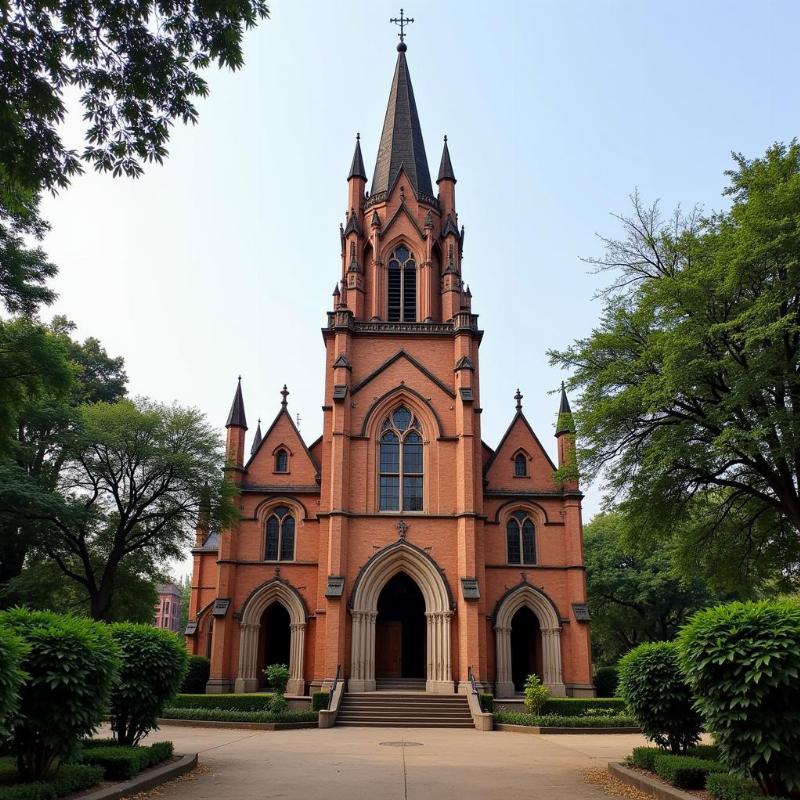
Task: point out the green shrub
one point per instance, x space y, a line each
722 786
277 677
120 762
685 772
254 701
28 791
555 721
487 702
153 665
160 751
197 675
12 650
536 694
278 704
578 706
218 715
743 662
651 683
71 663
605 681
72 778
644 757
708 751
319 701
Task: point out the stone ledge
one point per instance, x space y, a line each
537 730
255 726
145 780
649 785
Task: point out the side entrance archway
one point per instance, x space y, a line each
527 644
273 627
395 591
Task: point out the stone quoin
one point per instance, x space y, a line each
398 546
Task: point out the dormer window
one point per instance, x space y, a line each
282 460
520 465
402 305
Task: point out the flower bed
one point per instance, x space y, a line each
225 715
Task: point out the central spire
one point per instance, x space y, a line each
402 146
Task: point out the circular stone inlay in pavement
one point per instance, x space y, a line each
400 744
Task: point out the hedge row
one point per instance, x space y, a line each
226 715
254 701
721 786
576 706
644 757
685 772
560 721
69 779
120 762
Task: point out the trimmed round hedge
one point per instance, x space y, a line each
153 667
70 663
742 660
651 682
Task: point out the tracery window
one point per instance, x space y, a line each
402 305
521 539
280 535
281 461
520 465
401 467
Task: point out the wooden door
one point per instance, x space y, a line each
388 649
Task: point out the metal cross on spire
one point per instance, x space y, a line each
402 21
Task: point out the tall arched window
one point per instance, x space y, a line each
281 461
402 286
280 535
521 539
520 465
401 469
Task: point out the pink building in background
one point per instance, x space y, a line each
168 608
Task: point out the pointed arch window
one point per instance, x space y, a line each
282 460
520 465
279 544
402 305
400 462
521 539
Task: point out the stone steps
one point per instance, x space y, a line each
410 710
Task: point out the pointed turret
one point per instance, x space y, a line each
565 435
446 182
402 146
357 167
236 425
256 439
564 424
445 166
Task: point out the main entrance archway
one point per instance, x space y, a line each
402 570
548 640
400 630
276 637
526 651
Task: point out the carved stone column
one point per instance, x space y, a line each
247 680
440 671
504 684
297 684
551 662
362 667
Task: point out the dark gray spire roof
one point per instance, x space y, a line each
445 166
236 418
564 422
402 146
357 167
256 439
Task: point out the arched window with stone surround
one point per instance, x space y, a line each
279 544
520 465
281 460
402 288
521 539
400 485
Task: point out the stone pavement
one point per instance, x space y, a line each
361 763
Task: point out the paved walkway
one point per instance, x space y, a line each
356 763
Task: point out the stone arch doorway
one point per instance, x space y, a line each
400 630
275 637
547 642
419 568
526 651
253 647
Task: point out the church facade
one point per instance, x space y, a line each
398 549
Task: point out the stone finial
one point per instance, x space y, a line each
518 397
284 395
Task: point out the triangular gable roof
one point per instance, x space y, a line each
284 412
402 209
519 418
411 360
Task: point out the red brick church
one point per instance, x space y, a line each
399 546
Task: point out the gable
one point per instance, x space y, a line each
499 468
398 363
302 468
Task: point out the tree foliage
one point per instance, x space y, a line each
636 594
691 382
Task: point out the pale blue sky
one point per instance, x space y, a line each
223 260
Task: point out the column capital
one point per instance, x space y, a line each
298 626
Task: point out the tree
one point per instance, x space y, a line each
691 381
635 596
132 484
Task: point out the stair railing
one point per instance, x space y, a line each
333 686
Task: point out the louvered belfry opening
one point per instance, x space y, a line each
402 295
